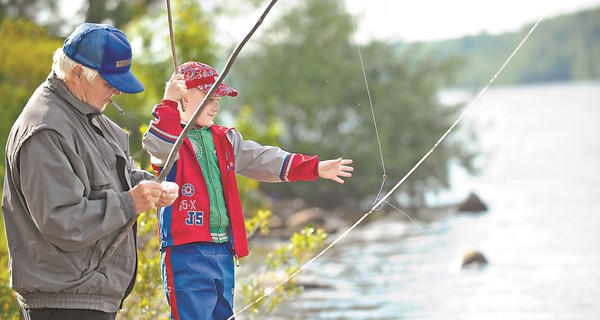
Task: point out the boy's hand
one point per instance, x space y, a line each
333 169
175 88
169 194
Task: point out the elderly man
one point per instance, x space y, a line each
70 185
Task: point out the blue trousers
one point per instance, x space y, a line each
199 280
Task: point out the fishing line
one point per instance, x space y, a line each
362 66
359 221
465 111
302 267
389 193
406 215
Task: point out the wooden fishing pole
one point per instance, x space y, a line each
173 50
171 158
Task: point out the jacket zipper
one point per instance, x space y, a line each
212 189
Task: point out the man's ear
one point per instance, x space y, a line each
77 72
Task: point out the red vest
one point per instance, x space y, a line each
187 219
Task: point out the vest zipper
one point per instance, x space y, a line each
212 189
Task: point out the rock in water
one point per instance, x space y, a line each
469 259
472 204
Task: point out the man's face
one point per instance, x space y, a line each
97 93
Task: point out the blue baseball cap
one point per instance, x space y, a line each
105 49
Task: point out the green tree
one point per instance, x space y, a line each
25 61
118 12
305 73
153 64
28 9
562 48
51 14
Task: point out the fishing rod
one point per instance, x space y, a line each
378 203
188 127
173 49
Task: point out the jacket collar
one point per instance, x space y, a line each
57 85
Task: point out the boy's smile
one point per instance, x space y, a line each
194 99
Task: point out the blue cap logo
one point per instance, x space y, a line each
105 49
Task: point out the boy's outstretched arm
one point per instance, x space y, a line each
334 169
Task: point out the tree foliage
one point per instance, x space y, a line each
563 48
153 63
263 292
51 14
25 61
306 74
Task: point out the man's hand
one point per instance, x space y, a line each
148 194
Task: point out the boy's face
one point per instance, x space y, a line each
194 99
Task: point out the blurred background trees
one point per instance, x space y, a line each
305 74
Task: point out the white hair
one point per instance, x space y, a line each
62 65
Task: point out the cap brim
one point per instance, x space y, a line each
225 90
125 82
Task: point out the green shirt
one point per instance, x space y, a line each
204 147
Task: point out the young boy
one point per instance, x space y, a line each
203 231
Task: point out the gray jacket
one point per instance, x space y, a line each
65 200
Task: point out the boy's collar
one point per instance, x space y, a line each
183 124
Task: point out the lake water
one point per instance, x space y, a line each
541 234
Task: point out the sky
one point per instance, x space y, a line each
424 20
416 20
